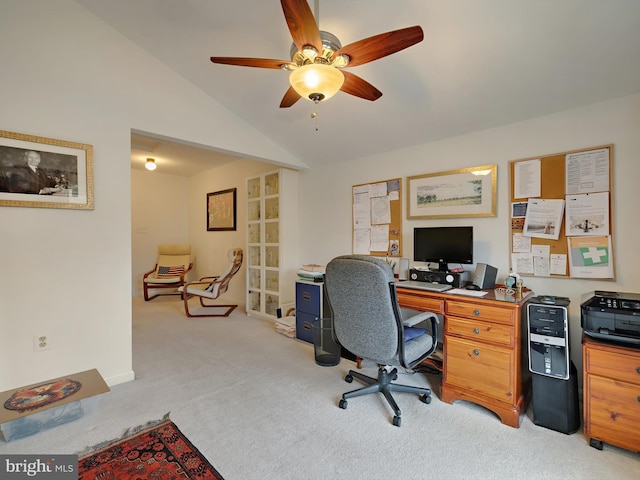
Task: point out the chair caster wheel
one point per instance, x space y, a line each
343 404
348 378
396 421
426 398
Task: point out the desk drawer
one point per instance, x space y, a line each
613 411
620 366
475 366
482 312
479 330
419 302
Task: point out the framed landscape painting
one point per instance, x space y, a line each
44 172
468 192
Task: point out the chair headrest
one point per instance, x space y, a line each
234 253
174 249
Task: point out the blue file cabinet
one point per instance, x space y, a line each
311 303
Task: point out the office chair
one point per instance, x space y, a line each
369 323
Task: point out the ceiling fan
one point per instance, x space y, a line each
318 59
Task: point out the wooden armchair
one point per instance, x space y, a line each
211 288
174 261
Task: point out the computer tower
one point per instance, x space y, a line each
554 380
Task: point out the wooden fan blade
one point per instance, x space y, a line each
381 45
289 98
356 86
303 27
251 62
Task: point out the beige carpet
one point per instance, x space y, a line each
258 407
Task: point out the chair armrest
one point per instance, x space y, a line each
419 317
196 282
150 271
214 277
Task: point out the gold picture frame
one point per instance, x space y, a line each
44 172
221 210
467 192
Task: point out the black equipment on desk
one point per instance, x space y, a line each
548 336
612 316
554 379
454 279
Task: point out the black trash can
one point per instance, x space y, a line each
327 349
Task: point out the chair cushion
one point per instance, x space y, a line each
168 272
411 332
174 249
200 290
162 281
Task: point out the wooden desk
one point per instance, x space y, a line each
484 343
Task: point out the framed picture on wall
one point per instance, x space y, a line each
44 172
468 192
221 210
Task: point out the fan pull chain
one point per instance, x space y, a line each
314 115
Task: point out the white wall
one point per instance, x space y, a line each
66 273
159 214
326 193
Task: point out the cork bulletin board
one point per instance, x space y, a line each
377 218
561 214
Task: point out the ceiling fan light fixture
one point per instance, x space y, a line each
310 52
340 61
316 81
150 164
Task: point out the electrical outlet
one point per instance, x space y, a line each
41 342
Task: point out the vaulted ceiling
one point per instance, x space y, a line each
482 64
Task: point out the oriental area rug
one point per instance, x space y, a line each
158 450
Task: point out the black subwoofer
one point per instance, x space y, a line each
555 402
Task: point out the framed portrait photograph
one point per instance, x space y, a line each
44 172
468 192
221 210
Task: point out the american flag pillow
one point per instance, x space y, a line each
167 272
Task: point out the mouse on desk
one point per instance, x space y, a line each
471 286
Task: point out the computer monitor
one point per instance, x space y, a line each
443 245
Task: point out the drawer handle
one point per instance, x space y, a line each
476 312
638 398
476 352
476 331
638 370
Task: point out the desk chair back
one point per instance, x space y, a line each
364 319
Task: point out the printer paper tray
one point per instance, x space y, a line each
614 337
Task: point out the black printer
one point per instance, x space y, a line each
613 316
